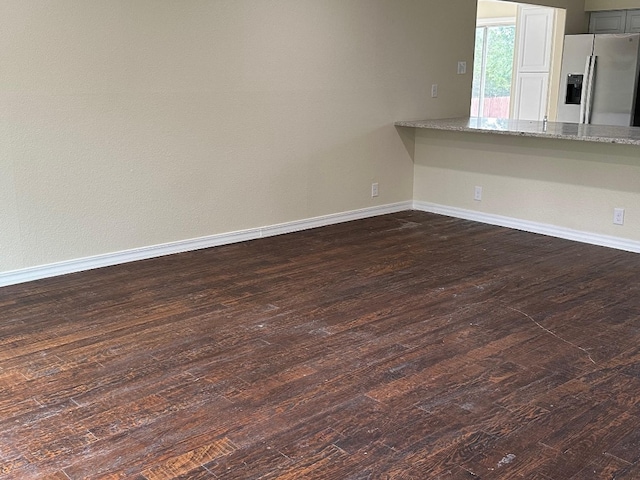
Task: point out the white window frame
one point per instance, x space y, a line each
485 23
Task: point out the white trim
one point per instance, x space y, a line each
528 226
81 264
88 263
334 218
496 21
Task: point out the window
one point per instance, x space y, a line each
493 68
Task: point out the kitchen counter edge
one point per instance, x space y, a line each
530 128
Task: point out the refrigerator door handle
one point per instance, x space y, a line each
585 86
591 82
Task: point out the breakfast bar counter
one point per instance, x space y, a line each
527 128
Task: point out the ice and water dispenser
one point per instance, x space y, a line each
574 89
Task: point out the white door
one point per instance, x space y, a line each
533 62
532 91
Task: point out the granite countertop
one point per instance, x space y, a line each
527 128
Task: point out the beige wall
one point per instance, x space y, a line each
567 184
563 183
496 9
595 5
138 122
128 123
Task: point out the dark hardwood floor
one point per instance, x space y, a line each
404 346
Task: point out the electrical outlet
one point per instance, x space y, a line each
374 189
477 194
434 90
462 68
618 216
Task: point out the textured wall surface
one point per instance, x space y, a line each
128 123
492 9
563 183
593 5
567 184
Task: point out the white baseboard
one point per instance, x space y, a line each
88 263
534 227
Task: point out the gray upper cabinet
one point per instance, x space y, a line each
614 21
633 21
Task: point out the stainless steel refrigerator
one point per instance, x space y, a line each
599 80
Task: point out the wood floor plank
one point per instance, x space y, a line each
190 461
403 346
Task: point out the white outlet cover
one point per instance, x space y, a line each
618 216
462 68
